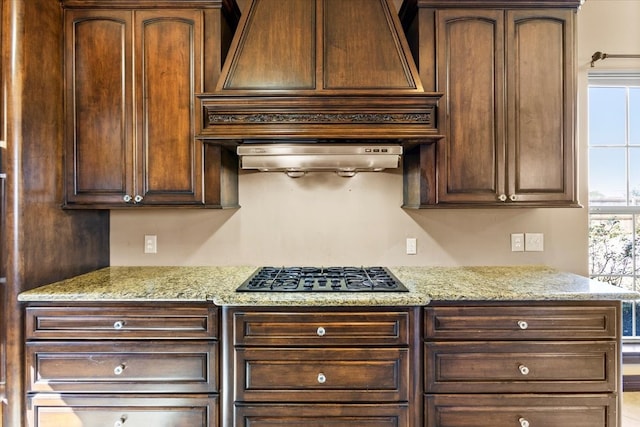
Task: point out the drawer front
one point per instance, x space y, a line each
139 411
338 375
521 323
318 415
518 411
121 323
167 366
495 367
321 328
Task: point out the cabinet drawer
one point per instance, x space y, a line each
495 367
137 411
120 366
516 411
320 415
321 328
300 375
121 322
521 323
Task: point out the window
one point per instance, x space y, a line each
614 186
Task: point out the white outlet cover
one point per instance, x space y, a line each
412 246
517 242
534 242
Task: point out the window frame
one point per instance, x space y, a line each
628 80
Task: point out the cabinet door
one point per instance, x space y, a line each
47 410
99 131
471 74
168 73
343 415
479 410
541 103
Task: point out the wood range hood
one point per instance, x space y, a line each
337 71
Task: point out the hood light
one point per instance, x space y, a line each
294 173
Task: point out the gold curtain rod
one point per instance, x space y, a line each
599 55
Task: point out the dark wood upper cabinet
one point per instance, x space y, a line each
132 76
508 110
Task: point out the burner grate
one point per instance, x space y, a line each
322 279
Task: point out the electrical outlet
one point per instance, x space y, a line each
412 246
517 242
534 242
150 244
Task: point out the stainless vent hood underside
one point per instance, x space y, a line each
297 159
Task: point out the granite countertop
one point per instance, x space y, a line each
425 284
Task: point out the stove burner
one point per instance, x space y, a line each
322 279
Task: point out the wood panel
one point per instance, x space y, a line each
521 323
471 66
43 244
334 415
321 328
120 323
135 410
322 375
350 61
541 105
98 101
168 58
597 410
276 56
101 366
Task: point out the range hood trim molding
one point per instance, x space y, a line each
326 117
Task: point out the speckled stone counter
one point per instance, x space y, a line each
425 284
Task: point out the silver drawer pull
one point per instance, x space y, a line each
118 370
523 370
121 421
523 422
321 378
118 324
522 324
321 331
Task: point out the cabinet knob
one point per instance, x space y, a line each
513 198
523 370
118 370
321 331
322 378
522 324
119 324
138 198
502 197
121 421
523 422
126 198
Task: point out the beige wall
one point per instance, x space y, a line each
323 219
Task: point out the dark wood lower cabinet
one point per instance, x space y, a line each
321 367
46 410
333 415
522 364
122 365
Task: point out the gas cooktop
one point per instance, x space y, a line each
322 279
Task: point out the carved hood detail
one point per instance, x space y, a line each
338 70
